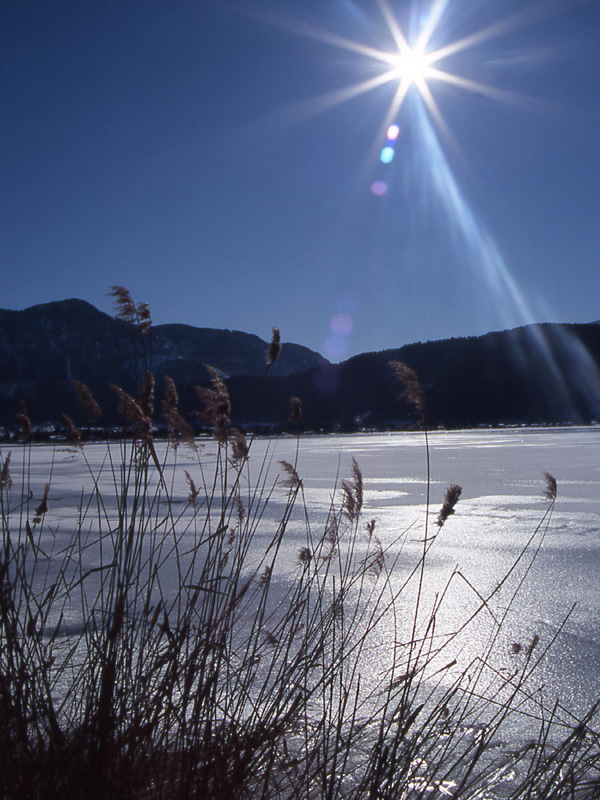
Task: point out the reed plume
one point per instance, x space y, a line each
274 349
123 303
551 487
239 446
295 406
43 506
453 492
147 395
353 493
413 392
193 489
72 432
137 316
132 413
293 480
532 644
24 422
178 428
5 479
86 401
217 406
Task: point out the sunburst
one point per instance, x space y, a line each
412 63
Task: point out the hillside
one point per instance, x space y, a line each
45 347
536 374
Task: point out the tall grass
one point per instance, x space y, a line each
160 649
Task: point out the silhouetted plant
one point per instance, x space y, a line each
154 647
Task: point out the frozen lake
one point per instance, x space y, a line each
502 475
501 472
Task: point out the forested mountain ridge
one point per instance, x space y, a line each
44 347
536 374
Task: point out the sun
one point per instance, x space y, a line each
412 63
412 66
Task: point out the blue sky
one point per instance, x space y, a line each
174 147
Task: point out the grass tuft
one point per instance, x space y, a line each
166 637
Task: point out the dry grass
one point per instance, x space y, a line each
155 653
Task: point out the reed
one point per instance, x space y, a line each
152 648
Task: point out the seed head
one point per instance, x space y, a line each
147 398
126 309
217 406
274 349
43 506
86 401
73 434
551 487
293 480
24 421
453 492
413 392
132 414
178 429
295 406
239 446
5 479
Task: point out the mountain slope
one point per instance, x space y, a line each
46 346
537 374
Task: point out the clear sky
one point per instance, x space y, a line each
199 154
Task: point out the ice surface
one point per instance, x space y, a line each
501 472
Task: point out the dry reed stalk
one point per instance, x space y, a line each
453 492
147 395
178 428
73 434
413 392
274 349
136 315
86 401
217 406
295 407
5 478
203 665
353 493
132 414
551 487
43 505
24 422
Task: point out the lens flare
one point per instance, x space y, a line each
392 133
387 155
341 324
335 347
379 188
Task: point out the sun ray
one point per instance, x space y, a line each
410 64
315 33
434 110
520 19
414 66
393 27
432 22
413 61
317 105
477 87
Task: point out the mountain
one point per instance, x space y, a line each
535 374
45 347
